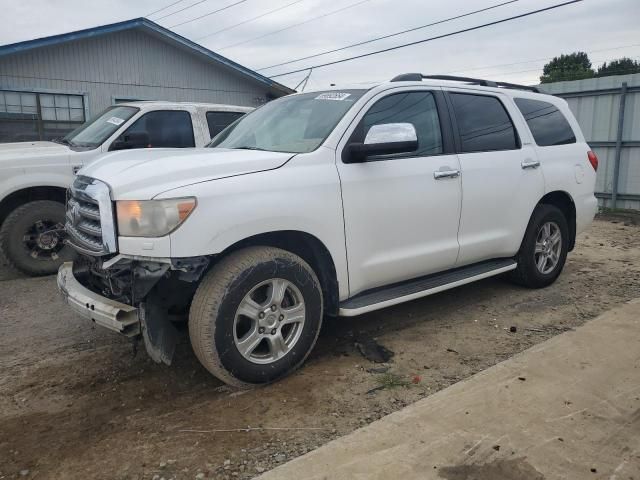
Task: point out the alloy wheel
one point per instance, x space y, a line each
269 321
548 247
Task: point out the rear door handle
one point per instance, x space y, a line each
530 164
440 174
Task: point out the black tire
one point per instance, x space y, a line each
31 260
527 273
215 305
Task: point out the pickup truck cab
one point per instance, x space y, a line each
335 202
35 175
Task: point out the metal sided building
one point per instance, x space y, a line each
50 85
608 111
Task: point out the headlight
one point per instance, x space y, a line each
152 218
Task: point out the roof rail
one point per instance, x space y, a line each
417 77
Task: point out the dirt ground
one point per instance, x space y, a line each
75 403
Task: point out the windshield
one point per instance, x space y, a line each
293 124
96 131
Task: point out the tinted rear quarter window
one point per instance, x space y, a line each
218 121
483 123
547 124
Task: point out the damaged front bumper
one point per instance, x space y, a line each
116 316
145 294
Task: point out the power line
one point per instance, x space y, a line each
296 25
207 14
181 10
477 27
540 69
537 60
164 8
612 72
388 36
487 67
251 19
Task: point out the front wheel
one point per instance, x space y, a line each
256 316
544 248
32 238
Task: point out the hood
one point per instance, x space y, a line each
26 150
143 174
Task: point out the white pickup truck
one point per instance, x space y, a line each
35 175
336 202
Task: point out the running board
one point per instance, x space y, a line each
387 296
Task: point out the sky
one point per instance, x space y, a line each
514 51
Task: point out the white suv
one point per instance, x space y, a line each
335 202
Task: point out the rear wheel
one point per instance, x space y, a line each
256 316
544 249
32 238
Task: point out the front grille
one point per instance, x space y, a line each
89 219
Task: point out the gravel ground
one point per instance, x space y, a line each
7 272
75 403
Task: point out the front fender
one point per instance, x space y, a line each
303 196
15 182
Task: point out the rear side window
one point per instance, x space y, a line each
218 121
483 123
547 124
165 128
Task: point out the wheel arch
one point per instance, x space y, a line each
30 194
310 249
565 203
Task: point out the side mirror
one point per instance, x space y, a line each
384 139
132 140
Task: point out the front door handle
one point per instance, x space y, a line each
530 164
440 174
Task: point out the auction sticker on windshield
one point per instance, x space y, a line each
338 96
115 121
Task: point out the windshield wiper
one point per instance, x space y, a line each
64 141
246 147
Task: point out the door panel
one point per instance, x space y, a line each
400 221
501 178
498 199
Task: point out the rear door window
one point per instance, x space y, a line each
166 129
483 123
218 121
547 124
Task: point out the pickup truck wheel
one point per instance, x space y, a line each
32 238
256 316
544 248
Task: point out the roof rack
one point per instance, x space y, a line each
417 77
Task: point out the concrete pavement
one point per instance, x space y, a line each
568 408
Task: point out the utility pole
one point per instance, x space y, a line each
304 81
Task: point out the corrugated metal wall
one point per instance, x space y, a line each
132 65
596 104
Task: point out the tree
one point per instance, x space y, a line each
574 66
621 66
